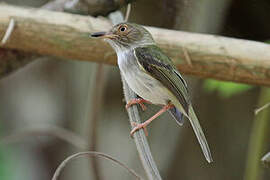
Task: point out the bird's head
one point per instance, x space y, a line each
126 36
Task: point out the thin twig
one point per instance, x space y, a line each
91 153
186 55
95 103
8 31
128 12
261 108
60 133
258 139
139 137
143 149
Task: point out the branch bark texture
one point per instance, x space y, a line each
65 35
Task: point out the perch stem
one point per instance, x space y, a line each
143 149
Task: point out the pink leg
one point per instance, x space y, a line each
143 125
139 101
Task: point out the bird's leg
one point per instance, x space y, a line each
139 101
143 125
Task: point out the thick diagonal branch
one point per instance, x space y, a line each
65 35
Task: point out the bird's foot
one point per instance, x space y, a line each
143 125
138 127
139 101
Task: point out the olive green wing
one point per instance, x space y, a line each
158 65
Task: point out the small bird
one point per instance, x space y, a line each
152 76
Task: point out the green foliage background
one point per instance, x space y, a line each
225 89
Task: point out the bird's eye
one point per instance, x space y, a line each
123 28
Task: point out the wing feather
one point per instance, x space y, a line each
158 65
161 68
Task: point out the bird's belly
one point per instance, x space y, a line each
140 82
147 87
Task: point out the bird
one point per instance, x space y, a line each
151 74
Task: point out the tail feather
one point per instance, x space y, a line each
199 133
177 115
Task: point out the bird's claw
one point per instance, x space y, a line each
139 101
138 127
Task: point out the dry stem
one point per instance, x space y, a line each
65 35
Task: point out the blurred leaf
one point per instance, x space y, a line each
6 169
5 166
225 89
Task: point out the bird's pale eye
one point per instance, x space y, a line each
122 28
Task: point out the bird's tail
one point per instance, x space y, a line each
199 133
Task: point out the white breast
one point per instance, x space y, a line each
140 82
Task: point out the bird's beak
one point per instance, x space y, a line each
103 35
